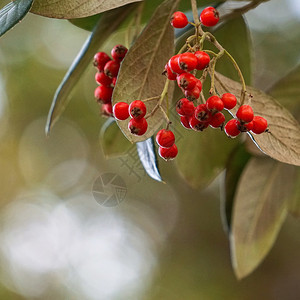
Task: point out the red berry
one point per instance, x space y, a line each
187 61
138 126
229 100
103 93
137 109
179 19
217 120
193 94
214 104
209 16
165 138
260 125
197 125
245 114
184 120
174 65
118 52
101 78
184 107
107 109
111 68
120 110
202 113
100 59
231 128
168 153
186 81
114 80
169 73
203 60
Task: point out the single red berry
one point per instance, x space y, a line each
186 81
179 19
202 113
137 109
111 68
203 60
245 114
101 78
100 59
120 110
184 107
229 100
118 52
193 94
214 104
184 120
187 61
217 120
209 16
168 153
174 65
103 93
138 126
107 109
197 125
231 128
260 125
165 138
169 73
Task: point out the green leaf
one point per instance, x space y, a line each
140 75
87 23
283 140
108 23
13 13
260 207
69 9
147 154
234 168
294 202
112 140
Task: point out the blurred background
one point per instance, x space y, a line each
163 241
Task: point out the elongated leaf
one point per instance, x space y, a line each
13 13
260 207
112 140
283 140
69 9
294 202
148 158
140 73
108 23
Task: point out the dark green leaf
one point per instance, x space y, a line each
13 13
294 203
108 23
147 154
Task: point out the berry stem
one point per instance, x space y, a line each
213 62
151 99
195 12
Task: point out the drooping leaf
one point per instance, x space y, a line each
234 168
140 75
260 207
69 9
13 13
283 140
87 23
294 202
148 158
112 140
108 23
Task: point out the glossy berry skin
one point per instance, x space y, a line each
187 61
137 109
111 68
138 126
217 120
209 16
202 113
179 19
214 104
100 59
231 128
184 107
174 65
169 73
107 109
203 60
168 153
193 94
229 100
197 125
101 78
114 80
245 114
165 138
118 52
186 81
103 93
120 111
260 125
185 122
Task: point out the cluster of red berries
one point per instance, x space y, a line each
106 76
